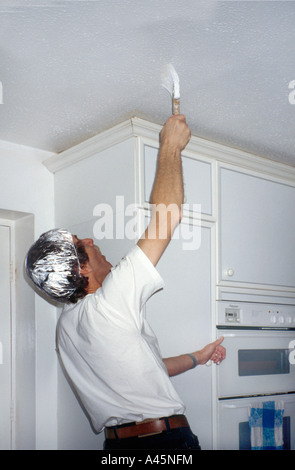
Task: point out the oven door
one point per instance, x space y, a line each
257 362
233 431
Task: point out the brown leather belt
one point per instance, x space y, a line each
147 427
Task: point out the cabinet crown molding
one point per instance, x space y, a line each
136 127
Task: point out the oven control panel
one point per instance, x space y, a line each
232 314
256 315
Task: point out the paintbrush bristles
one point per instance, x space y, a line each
170 80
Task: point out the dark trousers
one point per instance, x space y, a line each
177 439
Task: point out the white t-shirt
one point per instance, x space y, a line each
110 352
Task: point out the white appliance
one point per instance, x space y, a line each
233 422
259 366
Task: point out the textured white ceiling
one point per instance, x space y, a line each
70 69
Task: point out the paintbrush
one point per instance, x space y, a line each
170 81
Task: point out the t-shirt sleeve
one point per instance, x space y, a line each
130 284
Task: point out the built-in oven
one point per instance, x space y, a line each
257 362
233 429
259 368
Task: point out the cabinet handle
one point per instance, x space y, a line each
230 272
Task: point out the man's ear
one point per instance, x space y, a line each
85 269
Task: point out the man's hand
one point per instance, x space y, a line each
212 352
175 134
178 364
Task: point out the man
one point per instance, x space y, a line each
106 346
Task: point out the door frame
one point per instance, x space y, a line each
22 312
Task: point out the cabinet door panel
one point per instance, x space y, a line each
257 230
196 176
180 315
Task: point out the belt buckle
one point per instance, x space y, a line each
148 420
150 434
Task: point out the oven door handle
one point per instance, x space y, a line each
234 407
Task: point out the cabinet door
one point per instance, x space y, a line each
257 230
180 315
196 177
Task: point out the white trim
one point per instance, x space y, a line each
148 130
249 293
90 147
140 200
22 331
256 286
8 217
275 178
136 127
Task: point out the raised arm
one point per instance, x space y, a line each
167 193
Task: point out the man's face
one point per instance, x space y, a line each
97 262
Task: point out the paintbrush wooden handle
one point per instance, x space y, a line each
176 106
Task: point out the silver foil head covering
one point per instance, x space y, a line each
52 264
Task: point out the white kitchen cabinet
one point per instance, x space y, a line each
197 177
257 230
180 315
